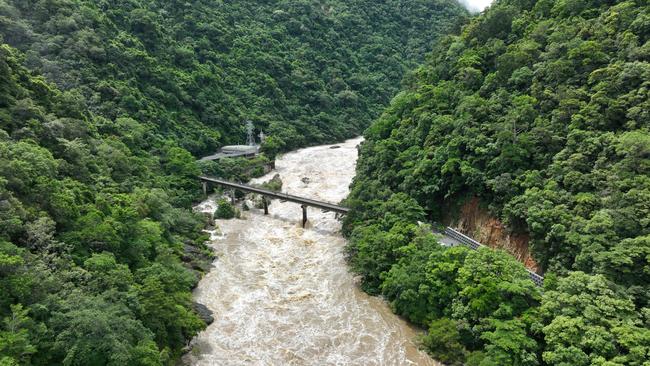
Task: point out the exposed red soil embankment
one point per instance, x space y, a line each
477 223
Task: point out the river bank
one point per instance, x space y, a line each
282 295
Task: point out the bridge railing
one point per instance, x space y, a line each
283 196
473 244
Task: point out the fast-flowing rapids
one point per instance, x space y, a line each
283 295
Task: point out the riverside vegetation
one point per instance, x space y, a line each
104 108
539 109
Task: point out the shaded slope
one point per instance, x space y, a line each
539 109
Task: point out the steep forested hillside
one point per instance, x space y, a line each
89 240
104 106
541 110
304 71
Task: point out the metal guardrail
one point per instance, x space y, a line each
473 244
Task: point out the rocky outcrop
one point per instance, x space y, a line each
204 313
197 259
476 222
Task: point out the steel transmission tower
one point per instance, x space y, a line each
250 131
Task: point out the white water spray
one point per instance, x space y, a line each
283 295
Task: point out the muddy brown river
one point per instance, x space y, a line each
283 295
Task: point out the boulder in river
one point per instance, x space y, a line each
209 219
204 313
274 184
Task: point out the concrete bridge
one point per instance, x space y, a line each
450 237
304 202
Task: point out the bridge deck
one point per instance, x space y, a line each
283 196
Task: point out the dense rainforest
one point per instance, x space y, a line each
540 110
105 107
305 72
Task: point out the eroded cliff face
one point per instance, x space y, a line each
477 223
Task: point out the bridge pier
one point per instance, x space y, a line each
265 193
